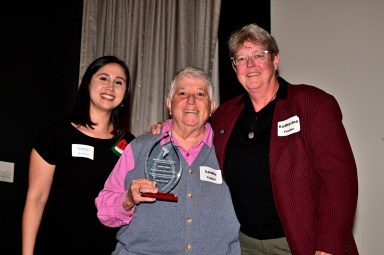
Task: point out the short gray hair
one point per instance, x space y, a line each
195 73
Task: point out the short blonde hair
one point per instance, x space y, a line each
254 34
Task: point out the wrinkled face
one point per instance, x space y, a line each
190 105
107 87
255 75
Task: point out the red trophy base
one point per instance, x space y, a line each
161 196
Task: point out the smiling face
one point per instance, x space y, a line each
190 105
256 76
107 87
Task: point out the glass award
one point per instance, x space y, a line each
163 166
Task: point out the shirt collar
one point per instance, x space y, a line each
166 130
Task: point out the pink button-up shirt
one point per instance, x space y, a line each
110 200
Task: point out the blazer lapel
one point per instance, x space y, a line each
278 143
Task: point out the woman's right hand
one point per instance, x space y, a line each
138 186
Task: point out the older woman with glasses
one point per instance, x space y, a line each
166 191
285 156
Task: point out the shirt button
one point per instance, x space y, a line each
189 220
188 246
187 154
189 195
190 170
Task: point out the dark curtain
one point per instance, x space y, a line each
234 15
39 78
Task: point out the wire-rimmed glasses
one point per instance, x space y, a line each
257 56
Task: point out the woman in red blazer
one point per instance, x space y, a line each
286 157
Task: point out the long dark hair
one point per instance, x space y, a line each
120 116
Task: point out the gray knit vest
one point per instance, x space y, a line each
203 221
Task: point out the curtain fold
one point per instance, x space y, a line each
156 38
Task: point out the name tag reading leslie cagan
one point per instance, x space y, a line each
163 166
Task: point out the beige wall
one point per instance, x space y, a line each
339 47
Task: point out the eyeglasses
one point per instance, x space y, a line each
257 56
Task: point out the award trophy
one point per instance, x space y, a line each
163 166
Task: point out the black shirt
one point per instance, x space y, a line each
247 171
69 224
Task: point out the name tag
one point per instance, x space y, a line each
209 174
82 151
289 126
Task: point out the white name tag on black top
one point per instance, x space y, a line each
209 174
82 151
288 126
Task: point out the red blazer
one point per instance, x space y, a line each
313 171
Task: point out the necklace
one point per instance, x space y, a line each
251 134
